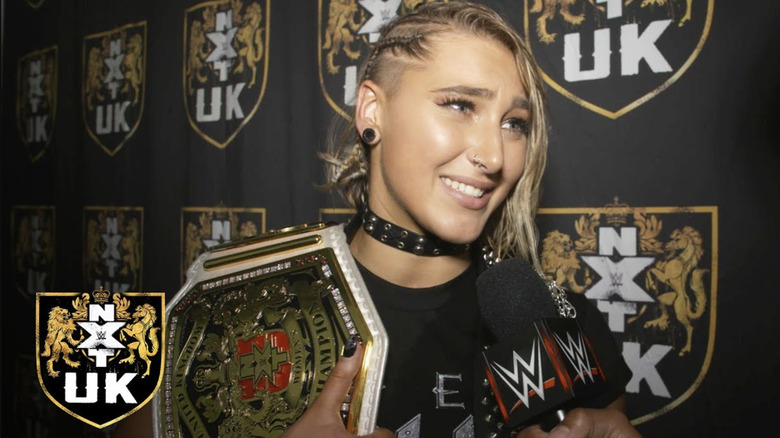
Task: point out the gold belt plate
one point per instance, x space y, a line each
255 331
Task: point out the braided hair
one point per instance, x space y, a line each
407 40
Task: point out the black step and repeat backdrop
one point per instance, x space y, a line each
137 134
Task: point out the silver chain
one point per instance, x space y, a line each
489 256
565 309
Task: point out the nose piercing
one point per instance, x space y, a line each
477 161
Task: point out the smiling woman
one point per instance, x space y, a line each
453 109
443 160
443 163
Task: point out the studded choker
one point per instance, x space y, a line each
405 240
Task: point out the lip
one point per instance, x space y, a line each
466 201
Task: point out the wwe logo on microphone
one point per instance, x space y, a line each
574 350
534 382
533 368
551 361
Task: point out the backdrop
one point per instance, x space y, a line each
136 135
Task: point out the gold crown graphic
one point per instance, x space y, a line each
100 296
617 213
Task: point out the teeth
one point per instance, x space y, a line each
464 188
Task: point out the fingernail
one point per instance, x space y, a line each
559 431
351 345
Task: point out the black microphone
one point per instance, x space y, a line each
540 360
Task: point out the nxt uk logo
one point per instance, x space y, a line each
225 66
99 358
113 247
113 86
33 239
652 272
36 101
611 56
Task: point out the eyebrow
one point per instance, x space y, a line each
519 102
468 91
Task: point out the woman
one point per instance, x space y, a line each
450 142
445 156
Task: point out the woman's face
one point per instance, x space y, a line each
465 104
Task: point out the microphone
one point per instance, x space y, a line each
540 360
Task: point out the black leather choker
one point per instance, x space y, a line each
405 240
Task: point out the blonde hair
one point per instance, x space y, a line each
511 231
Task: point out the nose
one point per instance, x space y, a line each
487 150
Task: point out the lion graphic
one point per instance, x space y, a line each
559 262
341 18
59 335
548 8
93 84
686 16
196 70
250 36
134 66
141 328
678 271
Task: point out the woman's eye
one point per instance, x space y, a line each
461 106
519 126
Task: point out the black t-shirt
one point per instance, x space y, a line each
433 340
435 335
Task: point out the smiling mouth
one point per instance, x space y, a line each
464 188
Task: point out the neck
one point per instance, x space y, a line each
404 268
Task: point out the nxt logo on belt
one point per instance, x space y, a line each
32 229
206 227
113 239
652 272
36 101
114 84
611 56
225 66
99 357
347 31
264 363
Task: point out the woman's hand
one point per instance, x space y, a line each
610 422
322 418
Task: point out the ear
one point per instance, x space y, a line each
368 106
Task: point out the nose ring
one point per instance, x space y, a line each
477 161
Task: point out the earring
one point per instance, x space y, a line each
368 136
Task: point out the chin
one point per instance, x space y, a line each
460 233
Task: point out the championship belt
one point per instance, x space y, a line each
255 331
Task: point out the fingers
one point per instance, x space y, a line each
379 433
587 423
532 432
340 379
322 418
594 423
